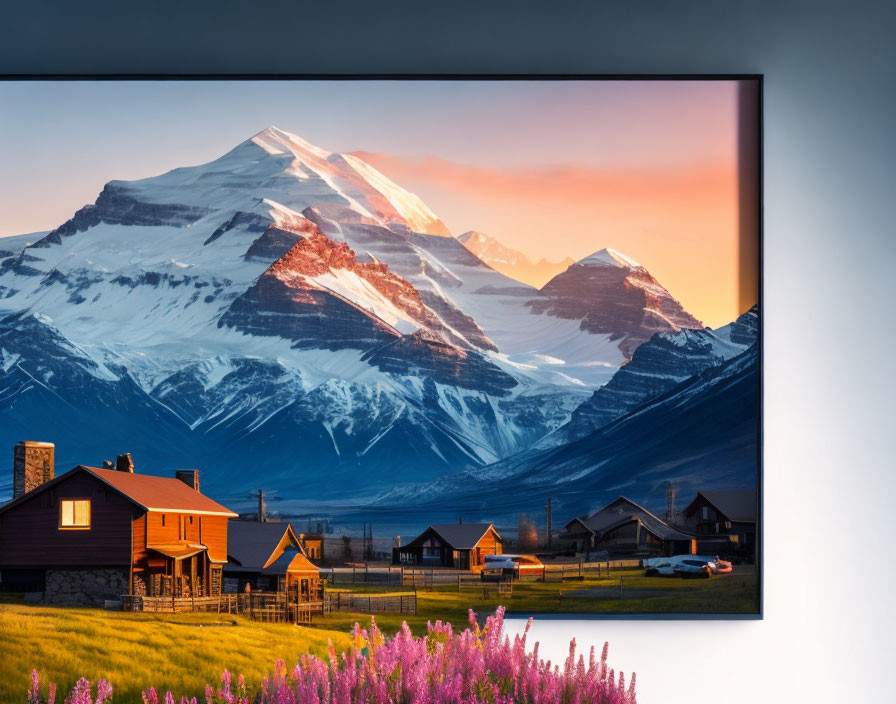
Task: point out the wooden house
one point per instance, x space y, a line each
269 557
625 529
724 522
462 546
93 534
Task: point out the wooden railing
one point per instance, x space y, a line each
274 607
225 603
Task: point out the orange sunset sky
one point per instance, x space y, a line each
550 168
681 223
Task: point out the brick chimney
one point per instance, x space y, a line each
33 464
124 463
190 477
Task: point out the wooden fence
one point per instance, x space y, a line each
488 588
226 603
273 607
363 575
418 578
578 570
427 578
394 603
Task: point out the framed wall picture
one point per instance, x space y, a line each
432 343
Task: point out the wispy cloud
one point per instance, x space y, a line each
680 222
567 184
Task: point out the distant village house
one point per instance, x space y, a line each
724 522
625 529
462 546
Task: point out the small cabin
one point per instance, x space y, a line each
462 546
269 556
99 533
622 528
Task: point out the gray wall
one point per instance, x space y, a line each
86 587
830 170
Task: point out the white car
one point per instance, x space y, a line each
499 562
513 565
682 565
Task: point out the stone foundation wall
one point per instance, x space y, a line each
89 587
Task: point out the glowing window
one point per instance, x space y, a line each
74 513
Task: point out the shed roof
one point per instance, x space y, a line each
738 505
157 494
292 562
463 536
252 545
178 551
622 510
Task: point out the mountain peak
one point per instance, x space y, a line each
491 251
509 261
294 173
276 141
610 257
475 236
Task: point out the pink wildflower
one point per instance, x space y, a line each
478 665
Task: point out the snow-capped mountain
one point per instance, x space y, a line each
700 434
511 262
611 294
279 292
51 388
661 363
293 307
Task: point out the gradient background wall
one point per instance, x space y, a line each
830 169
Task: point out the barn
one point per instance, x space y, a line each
269 556
622 528
97 533
462 546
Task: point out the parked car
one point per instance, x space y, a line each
497 567
512 565
683 565
695 567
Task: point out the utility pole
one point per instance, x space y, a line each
367 541
670 503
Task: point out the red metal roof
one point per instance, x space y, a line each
160 494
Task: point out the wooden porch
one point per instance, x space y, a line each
184 571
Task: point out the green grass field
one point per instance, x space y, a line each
183 652
180 652
734 593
